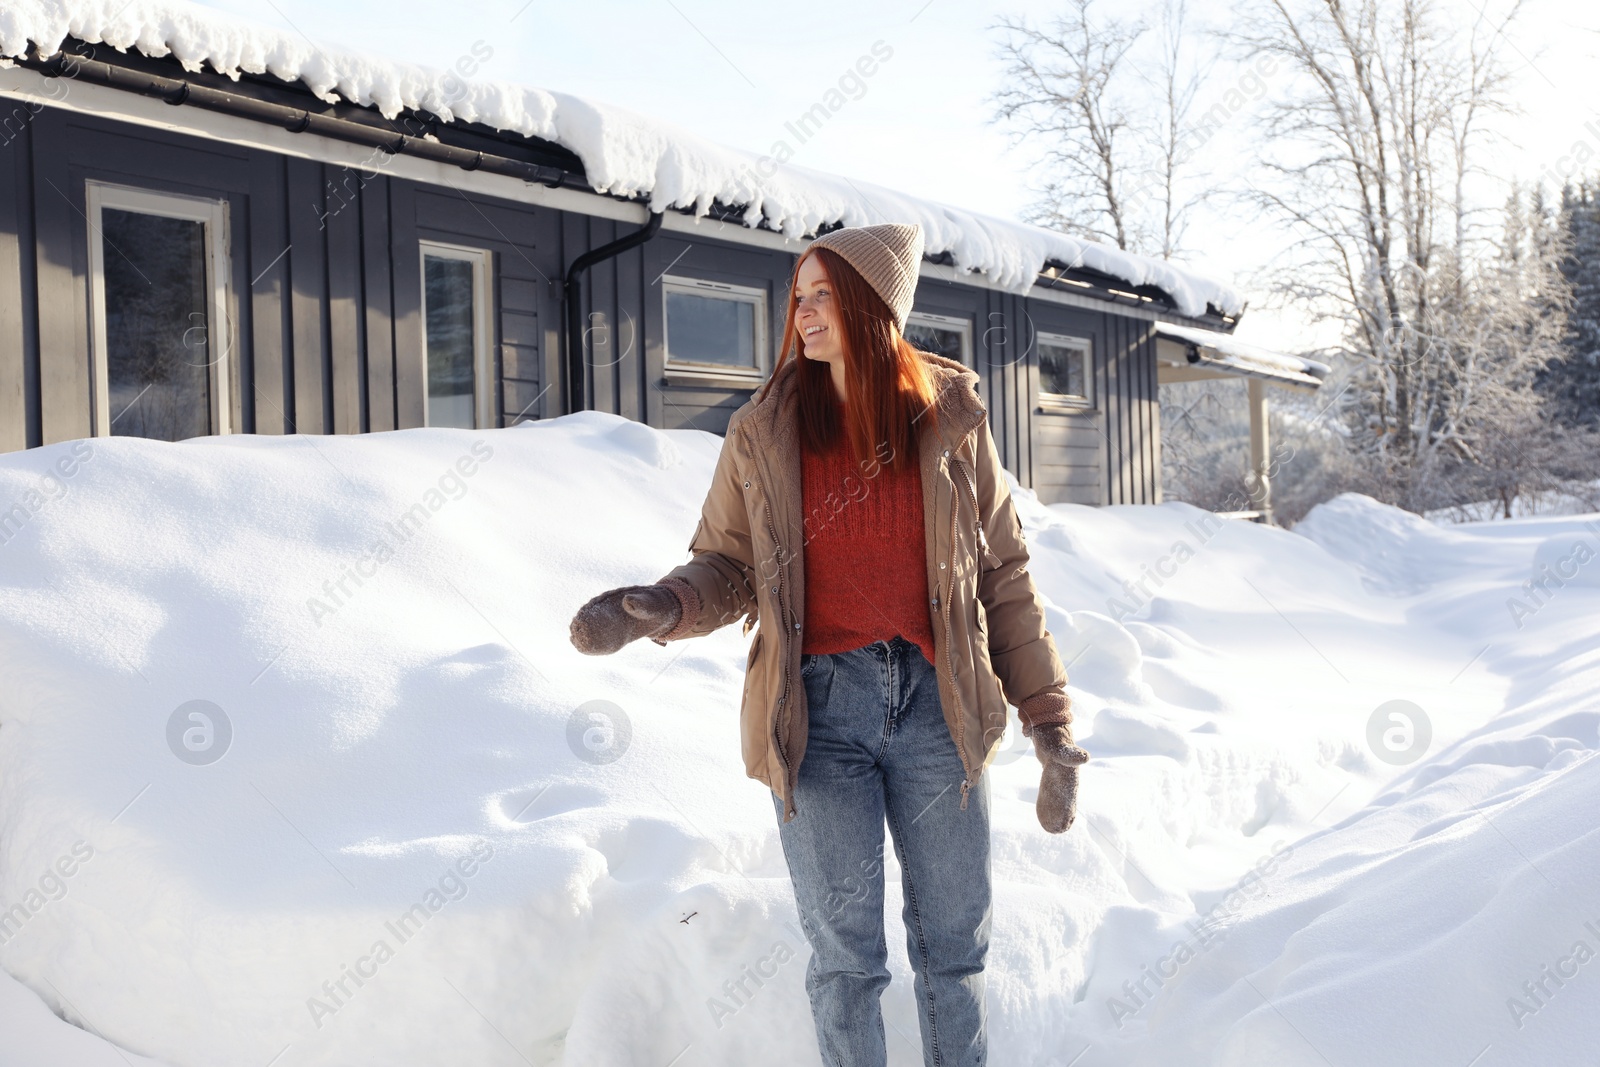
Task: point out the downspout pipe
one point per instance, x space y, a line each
577 364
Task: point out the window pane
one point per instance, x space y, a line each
451 342
1062 369
939 340
158 351
711 329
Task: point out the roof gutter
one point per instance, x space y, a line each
176 91
577 364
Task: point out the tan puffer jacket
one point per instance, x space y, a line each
988 619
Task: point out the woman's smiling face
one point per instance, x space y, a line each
816 313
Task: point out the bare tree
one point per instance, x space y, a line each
1203 459
1107 106
1178 82
1058 94
1370 162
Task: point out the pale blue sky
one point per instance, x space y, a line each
735 72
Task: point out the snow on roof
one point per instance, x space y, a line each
1235 356
623 153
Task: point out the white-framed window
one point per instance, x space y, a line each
457 332
714 328
1064 364
943 335
161 344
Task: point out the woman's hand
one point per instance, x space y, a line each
1057 805
613 618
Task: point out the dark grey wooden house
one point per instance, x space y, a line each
184 253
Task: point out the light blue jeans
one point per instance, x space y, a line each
878 749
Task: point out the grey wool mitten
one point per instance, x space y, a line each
1057 805
611 619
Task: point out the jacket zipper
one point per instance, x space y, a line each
949 657
983 539
783 624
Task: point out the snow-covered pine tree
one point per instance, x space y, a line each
1573 384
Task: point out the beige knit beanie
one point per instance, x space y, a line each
887 256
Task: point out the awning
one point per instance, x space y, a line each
1219 355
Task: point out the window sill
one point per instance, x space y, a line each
732 379
1065 407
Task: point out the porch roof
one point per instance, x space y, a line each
1187 353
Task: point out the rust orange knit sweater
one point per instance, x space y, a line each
865 553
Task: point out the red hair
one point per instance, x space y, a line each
891 391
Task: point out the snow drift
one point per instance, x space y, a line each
297 766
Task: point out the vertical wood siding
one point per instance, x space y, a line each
312 405
377 302
19 360
64 398
268 374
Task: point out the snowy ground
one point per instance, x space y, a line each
1341 807
1525 506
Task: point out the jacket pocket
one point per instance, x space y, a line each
750 659
753 726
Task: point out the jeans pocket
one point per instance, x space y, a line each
816 678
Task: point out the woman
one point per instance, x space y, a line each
859 511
